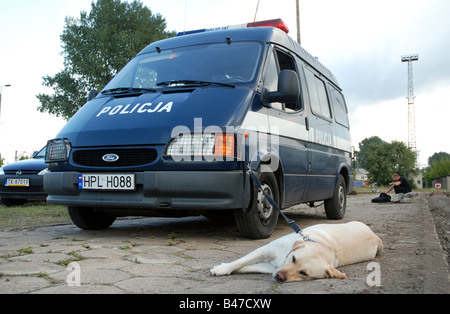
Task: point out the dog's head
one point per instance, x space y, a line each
306 261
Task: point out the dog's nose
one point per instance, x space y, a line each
280 276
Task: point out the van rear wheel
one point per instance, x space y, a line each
88 218
260 219
335 207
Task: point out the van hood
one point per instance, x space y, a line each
150 118
36 164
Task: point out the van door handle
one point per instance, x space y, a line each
307 123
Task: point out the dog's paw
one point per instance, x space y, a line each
221 270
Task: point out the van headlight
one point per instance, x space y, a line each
43 172
58 150
207 147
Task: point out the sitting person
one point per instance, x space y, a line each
400 185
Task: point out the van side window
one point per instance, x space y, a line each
340 108
279 61
318 95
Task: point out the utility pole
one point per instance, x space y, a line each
411 97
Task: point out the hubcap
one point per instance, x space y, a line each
265 209
341 197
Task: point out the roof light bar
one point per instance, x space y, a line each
278 23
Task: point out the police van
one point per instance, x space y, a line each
178 129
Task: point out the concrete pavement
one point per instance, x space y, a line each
156 255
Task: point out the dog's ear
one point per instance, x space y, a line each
297 245
332 272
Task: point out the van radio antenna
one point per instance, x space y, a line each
256 12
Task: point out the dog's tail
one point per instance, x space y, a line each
379 247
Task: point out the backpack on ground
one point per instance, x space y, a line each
383 198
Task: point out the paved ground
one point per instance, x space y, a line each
152 255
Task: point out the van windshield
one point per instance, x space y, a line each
219 63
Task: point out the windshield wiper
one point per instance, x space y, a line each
126 90
190 83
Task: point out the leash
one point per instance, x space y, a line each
290 222
247 170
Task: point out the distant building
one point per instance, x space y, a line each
361 175
417 179
444 181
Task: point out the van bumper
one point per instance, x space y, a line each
183 190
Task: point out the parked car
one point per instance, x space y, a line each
23 180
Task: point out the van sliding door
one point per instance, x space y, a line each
323 158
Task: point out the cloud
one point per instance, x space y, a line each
363 44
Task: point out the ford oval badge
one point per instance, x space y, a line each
110 157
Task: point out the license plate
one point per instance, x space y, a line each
17 182
106 182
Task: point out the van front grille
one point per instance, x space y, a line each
127 157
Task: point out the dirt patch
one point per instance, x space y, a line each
439 205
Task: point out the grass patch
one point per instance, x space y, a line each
32 215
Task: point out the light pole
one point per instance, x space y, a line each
1 87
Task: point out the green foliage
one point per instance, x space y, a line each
437 157
439 167
382 159
364 147
96 46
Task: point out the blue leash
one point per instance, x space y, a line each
291 222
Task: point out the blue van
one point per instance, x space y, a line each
174 133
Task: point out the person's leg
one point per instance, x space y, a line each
399 190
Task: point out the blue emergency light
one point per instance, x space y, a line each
278 23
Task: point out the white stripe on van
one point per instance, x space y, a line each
256 121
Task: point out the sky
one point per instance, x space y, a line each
361 42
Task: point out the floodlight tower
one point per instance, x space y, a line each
411 112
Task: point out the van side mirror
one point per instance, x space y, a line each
92 94
288 89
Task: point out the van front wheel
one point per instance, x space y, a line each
88 218
335 207
260 219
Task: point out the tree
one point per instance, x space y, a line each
382 159
364 148
438 166
437 157
96 46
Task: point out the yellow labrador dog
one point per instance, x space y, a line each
293 258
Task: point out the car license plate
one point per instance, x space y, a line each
17 182
106 182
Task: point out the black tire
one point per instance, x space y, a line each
261 218
335 207
88 219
